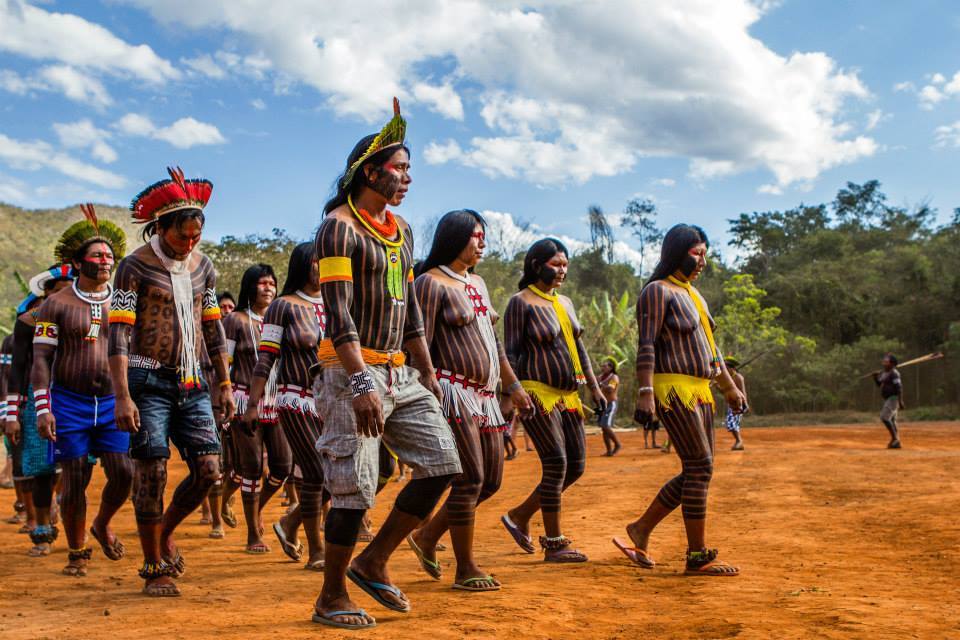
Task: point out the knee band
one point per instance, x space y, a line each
343 526
420 496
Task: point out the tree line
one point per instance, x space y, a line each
817 294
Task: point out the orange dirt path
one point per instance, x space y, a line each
836 537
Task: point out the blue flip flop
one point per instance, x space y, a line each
372 589
327 619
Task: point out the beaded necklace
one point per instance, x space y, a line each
96 310
392 248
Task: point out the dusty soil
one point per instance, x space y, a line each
836 536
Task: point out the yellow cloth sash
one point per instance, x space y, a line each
566 327
704 319
688 390
549 397
327 355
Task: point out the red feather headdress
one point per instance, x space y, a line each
170 195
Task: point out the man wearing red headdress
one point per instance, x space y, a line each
164 304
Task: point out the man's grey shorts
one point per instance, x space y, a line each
414 429
890 407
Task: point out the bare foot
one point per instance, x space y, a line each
639 536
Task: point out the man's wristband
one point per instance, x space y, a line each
225 383
361 383
645 390
514 387
41 401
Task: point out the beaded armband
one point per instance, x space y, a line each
361 383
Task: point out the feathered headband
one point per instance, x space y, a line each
39 281
84 231
167 196
392 135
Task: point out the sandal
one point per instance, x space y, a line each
705 563
113 551
257 548
559 549
328 619
467 585
431 567
523 540
293 551
637 555
315 565
228 516
77 571
373 589
154 570
177 564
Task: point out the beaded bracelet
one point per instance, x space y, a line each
645 390
225 383
361 383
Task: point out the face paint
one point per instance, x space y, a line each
90 269
547 274
688 265
386 183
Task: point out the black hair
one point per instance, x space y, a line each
177 218
359 179
892 358
298 271
452 234
248 284
226 295
538 255
676 246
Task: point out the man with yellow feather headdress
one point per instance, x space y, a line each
73 390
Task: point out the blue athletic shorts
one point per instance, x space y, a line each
85 425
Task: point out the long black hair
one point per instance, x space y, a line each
298 271
359 179
451 236
676 246
538 255
177 218
248 284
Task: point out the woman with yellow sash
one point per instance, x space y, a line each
543 346
677 359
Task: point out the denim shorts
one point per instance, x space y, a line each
169 414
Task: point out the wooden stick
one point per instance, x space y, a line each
936 355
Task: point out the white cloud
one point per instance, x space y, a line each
665 182
72 83
937 78
36 155
770 189
947 135
507 236
205 66
258 104
874 118
930 96
953 87
76 85
904 86
568 90
441 99
439 153
182 134
84 135
32 32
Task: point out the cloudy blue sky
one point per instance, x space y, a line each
529 111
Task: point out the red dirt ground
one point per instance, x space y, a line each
836 537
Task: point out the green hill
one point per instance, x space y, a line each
27 238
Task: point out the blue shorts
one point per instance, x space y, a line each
606 418
168 414
85 425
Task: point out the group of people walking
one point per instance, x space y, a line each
360 359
